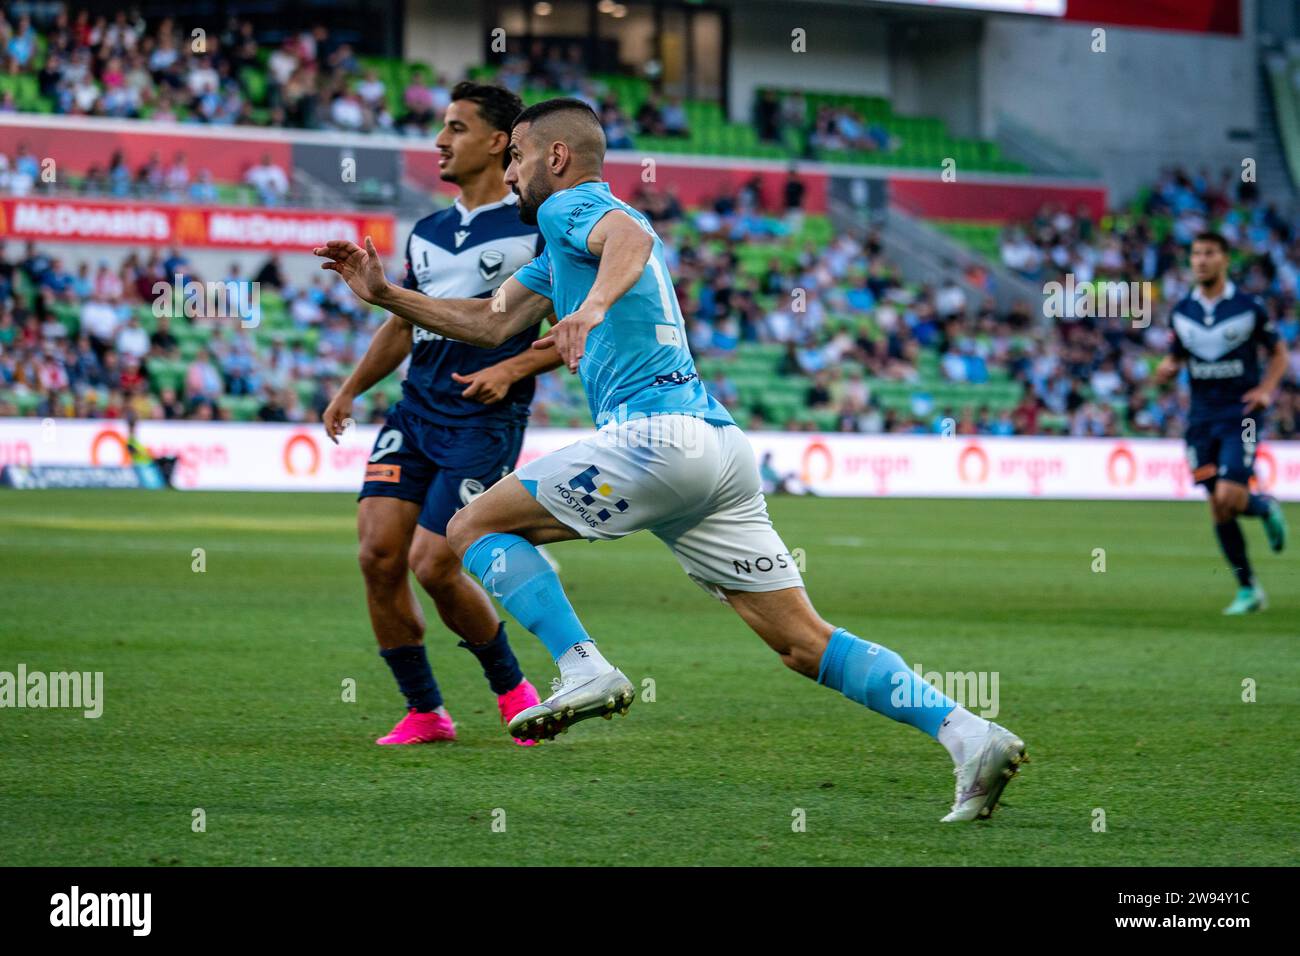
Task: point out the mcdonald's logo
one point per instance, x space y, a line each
191 226
380 231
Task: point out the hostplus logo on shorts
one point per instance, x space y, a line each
580 496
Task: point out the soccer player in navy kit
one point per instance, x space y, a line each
458 427
1219 333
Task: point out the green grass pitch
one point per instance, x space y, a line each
223 691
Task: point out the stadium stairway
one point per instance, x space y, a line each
1277 128
926 254
1031 149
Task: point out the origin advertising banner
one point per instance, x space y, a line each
266 457
165 224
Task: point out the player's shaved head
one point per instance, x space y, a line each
554 144
569 121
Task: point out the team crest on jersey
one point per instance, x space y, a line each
489 263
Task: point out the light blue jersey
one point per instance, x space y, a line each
636 362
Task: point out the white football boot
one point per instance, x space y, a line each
573 699
984 774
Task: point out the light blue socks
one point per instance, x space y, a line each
515 573
876 677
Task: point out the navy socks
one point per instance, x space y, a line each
500 666
410 666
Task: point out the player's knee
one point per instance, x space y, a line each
382 562
1225 505
461 533
436 570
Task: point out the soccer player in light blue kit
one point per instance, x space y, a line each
666 457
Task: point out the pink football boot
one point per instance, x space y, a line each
514 701
421 728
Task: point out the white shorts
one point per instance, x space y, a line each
692 484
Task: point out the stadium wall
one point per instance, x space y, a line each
1154 98
839 58
445 34
264 457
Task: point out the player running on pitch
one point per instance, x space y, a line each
1219 333
666 457
458 427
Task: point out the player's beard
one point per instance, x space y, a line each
531 198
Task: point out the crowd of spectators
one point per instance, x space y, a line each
837 309
782 117
1147 245
173 180
102 370
125 66
843 321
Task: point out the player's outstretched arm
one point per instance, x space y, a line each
624 248
388 349
483 322
493 383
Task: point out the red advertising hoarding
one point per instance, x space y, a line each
164 224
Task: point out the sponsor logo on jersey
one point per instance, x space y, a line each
576 214
461 236
580 496
1234 368
763 563
676 378
386 473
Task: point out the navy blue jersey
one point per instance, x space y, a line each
1221 343
459 254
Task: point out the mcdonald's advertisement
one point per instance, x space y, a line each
164 224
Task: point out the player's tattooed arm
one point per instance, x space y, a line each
484 322
491 384
623 246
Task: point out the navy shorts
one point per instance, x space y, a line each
1218 450
440 467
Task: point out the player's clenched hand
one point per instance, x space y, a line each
1257 398
360 268
569 335
487 385
337 416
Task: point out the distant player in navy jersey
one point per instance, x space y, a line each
1220 333
458 427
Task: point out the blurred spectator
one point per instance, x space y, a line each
269 180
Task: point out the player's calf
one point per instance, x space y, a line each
985 755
